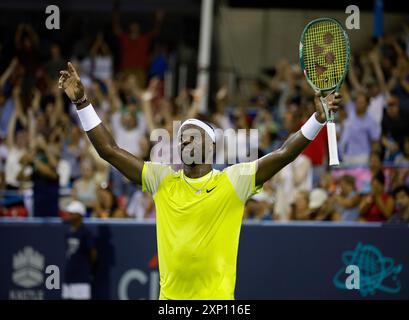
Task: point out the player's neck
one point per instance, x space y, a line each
197 171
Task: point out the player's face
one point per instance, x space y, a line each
195 146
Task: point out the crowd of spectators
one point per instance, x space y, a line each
46 159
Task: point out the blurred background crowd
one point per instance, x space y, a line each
46 159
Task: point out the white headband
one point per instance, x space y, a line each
199 124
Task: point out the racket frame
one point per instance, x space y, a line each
332 142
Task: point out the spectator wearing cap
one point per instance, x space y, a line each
378 205
319 206
260 206
401 195
80 257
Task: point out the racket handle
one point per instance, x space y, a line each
332 144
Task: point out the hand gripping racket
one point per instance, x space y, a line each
324 58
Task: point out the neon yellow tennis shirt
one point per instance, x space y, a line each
198 234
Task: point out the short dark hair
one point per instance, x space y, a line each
403 188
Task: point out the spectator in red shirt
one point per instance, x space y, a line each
135 46
378 205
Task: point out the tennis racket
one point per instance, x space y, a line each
324 58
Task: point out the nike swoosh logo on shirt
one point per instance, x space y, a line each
207 190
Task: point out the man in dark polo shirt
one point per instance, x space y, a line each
80 256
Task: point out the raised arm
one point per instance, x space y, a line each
8 72
375 60
99 136
273 162
353 78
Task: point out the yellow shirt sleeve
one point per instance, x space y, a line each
153 174
243 178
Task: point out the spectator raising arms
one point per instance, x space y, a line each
360 130
135 45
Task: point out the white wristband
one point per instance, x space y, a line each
311 128
88 117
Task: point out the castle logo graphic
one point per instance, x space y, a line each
28 266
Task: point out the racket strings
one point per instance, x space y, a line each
325 54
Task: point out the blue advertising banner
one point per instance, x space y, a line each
276 260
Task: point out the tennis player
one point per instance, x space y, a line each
199 209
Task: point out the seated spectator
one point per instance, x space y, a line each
347 200
106 205
300 207
378 205
359 131
401 195
320 207
85 188
327 182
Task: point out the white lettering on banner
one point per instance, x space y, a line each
53 20
352 22
353 280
